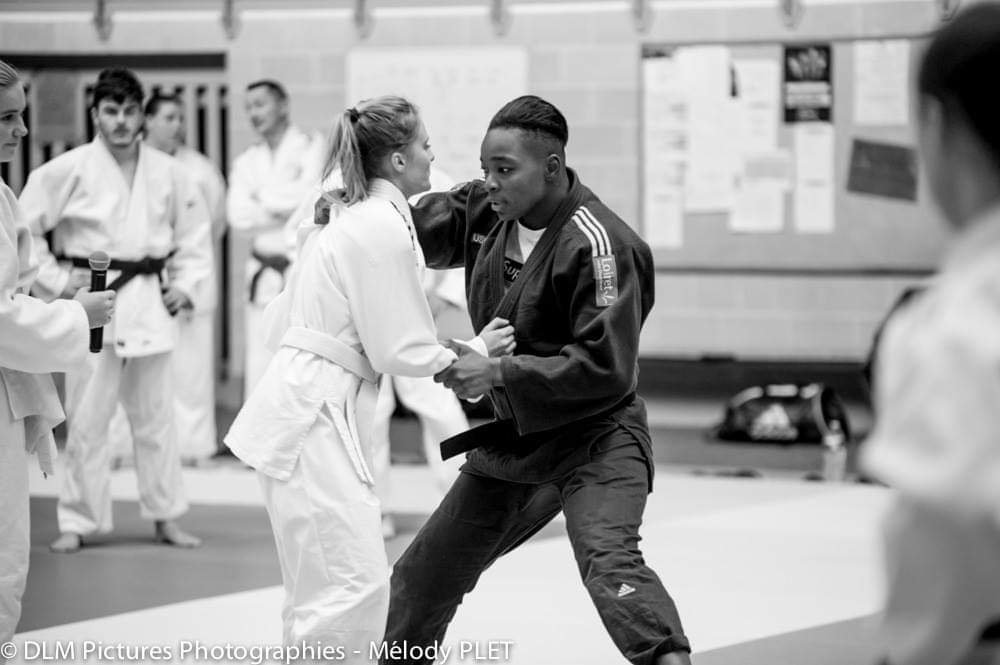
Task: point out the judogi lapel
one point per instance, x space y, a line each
506 302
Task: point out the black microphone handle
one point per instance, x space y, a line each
98 282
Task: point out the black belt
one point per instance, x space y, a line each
129 270
502 433
277 262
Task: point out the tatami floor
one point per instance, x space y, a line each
769 570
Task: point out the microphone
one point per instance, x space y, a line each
99 262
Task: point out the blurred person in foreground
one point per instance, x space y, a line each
936 440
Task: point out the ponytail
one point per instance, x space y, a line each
345 153
363 136
8 75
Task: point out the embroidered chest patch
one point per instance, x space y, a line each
511 269
606 279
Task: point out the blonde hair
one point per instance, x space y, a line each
8 74
364 135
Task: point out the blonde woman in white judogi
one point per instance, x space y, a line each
138 205
35 338
266 184
354 308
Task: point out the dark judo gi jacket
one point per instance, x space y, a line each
577 308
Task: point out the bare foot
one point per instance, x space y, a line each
66 543
169 533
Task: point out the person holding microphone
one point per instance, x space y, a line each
139 205
35 338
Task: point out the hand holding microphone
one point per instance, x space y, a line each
98 303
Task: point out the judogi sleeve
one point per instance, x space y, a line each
441 220
41 202
244 210
377 268
598 369
213 188
35 336
192 262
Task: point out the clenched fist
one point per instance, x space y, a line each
99 306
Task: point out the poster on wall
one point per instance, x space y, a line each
457 89
883 169
808 84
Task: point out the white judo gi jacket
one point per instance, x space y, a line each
936 442
357 280
35 338
266 186
82 196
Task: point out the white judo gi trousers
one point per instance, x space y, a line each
327 528
145 387
194 373
14 520
193 362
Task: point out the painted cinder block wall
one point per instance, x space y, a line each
583 56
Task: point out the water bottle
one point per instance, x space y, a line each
834 453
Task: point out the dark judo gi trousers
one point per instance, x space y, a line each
483 518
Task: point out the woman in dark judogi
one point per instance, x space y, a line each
541 250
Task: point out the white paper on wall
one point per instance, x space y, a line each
814 177
881 82
759 207
759 204
665 149
757 86
457 89
772 168
712 161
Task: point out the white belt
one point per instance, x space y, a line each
331 348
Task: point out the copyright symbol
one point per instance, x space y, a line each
8 650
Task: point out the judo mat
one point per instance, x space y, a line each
769 570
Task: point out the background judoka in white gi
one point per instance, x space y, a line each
267 182
193 358
116 195
306 428
35 338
